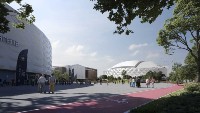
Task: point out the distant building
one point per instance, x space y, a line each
78 72
135 68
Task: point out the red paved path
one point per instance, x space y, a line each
115 104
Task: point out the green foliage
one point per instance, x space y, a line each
124 75
176 66
156 75
192 88
175 74
122 12
182 101
119 78
180 73
59 76
173 77
189 58
23 14
111 78
65 76
185 22
103 77
162 105
149 74
183 30
190 61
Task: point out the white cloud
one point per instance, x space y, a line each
152 55
135 53
136 46
80 51
93 54
76 50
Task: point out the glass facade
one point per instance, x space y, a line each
39 56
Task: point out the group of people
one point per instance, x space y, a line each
41 83
135 82
150 81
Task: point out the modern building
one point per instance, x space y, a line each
135 68
78 72
24 52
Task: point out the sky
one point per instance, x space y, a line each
81 35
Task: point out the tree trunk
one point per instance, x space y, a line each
198 56
198 71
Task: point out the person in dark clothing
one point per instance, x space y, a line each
138 82
100 81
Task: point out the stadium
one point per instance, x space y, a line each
24 53
135 68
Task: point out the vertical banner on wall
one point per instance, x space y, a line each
72 74
21 67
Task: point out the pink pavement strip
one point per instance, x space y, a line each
113 104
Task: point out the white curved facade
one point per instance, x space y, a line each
135 68
39 57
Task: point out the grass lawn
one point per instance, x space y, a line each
186 100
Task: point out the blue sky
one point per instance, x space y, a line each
81 35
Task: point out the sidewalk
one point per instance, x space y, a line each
111 104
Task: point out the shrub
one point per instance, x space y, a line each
192 88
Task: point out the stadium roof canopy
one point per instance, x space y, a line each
135 68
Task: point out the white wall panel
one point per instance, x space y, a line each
31 38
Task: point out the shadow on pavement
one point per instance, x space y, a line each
78 104
28 89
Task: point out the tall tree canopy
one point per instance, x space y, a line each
182 31
24 13
122 12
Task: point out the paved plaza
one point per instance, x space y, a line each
78 97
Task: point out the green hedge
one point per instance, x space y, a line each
192 88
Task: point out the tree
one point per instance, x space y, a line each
110 78
149 74
122 12
176 66
189 59
57 74
23 14
158 75
103 77
187 72
119 78
182 31
124 74
65 76
174 76
180 73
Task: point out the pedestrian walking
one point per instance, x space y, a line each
152 82
41 84
138 82
52 81
100 81
147 82
133 82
